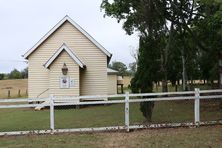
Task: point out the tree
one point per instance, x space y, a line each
120 67
14 74
174 70
168 24
24 73
132 68
144 16
2 76
147 72
209 30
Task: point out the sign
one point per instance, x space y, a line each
64 82
72 83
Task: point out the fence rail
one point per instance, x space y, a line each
54 101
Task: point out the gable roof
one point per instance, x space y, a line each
71 54
60 23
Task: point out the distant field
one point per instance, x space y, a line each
22 84
13 86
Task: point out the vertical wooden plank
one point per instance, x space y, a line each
197 106
52 117
127 111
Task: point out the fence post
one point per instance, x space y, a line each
127 111
52 117
9 94
19 93
197 106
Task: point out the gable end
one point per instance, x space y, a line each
60 23
70 53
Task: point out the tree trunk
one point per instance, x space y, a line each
164 59
220 86
178 82
164 82
157 86
164 85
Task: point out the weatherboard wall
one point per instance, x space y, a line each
55 74
93 80
112 84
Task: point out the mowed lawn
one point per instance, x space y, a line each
13 86
111 115
100 115
104 115
204 137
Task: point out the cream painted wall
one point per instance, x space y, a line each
56 73
112 84
93 79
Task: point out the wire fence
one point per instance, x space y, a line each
14 88
110 112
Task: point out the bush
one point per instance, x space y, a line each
147 109
2 76
15 74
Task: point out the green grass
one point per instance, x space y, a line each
108 115
174 137
23 119
112 115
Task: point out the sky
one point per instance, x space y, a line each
24 22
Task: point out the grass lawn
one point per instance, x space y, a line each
97 116
204 137
110 115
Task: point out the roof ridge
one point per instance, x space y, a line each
77 26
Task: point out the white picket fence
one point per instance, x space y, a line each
129 98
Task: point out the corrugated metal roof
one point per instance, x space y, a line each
111 71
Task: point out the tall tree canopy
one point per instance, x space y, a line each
209 30
173 34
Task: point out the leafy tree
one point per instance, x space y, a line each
209 31
2 76
174 70
144 16
24 73
147 71
132 68
170 30
14 74
120 67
